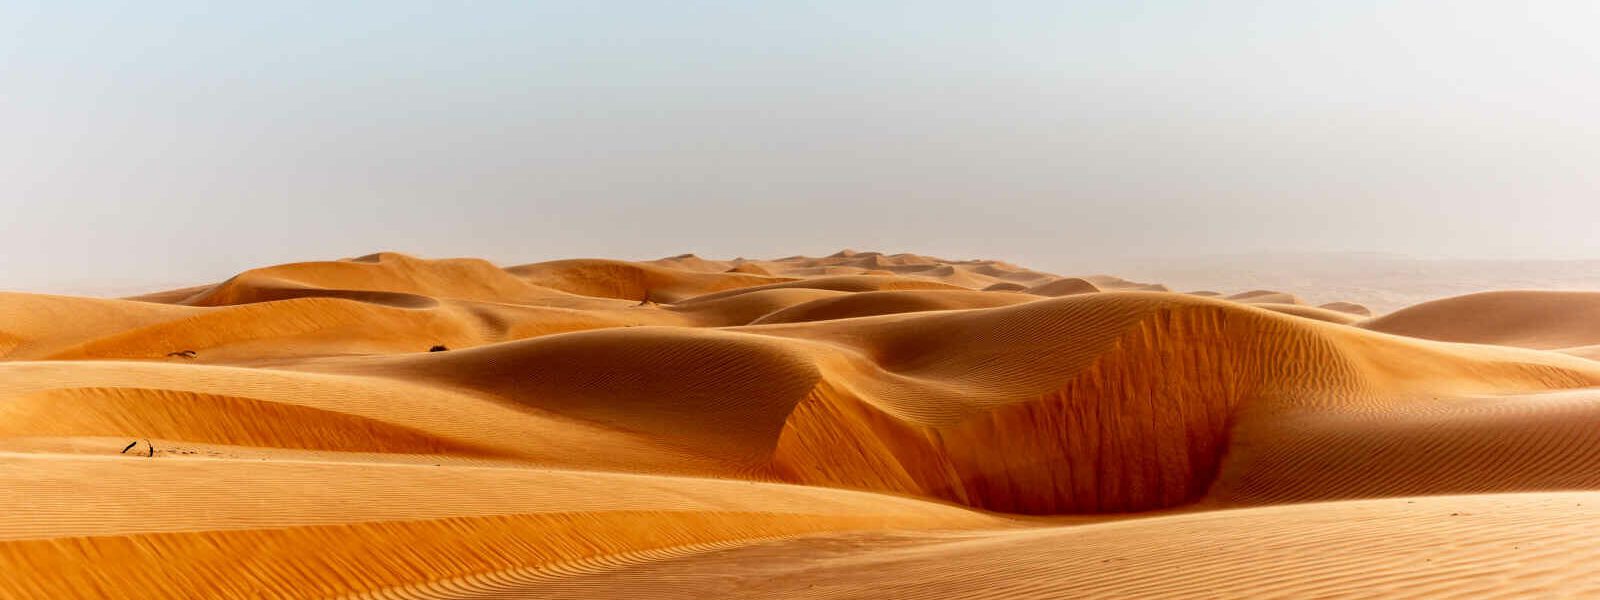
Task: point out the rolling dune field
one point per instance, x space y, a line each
860 425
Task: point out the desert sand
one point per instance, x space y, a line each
860 425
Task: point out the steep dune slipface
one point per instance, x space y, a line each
1137 418
568 438
1529 319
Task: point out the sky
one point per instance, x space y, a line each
156 143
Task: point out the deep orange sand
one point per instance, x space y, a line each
855 426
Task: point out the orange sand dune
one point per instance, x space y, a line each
1065 286
384 278
973 274
1005 286
634 281
1348 307
1108 282
856 425
839 283
1529 319
748 268
1589 352
33 325
864 304
1311 312
1266 297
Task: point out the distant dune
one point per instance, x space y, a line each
861 425
1528 319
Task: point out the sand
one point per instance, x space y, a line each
861 425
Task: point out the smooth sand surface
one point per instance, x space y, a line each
861 425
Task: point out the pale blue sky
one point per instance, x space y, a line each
166 142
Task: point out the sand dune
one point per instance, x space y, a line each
1348 307
1311 312
1065 286
857 425
1589 352
1266 297
865 304
839 283
1529 319
633 281
1005 286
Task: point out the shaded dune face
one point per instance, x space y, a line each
1109 440
721 394
1145 426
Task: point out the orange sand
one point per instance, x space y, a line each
860 425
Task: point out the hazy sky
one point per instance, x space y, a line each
174 141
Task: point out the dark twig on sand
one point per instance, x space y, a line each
130 446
